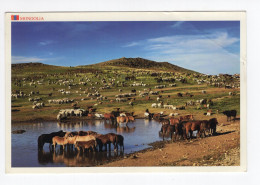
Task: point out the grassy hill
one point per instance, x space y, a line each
138 63
142 63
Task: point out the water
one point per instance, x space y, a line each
25 152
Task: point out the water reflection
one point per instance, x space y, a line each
72 158
137 136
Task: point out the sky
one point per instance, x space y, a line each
209 47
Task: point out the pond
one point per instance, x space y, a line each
137 136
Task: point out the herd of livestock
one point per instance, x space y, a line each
101 88
81 140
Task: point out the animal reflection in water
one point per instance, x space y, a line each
73 158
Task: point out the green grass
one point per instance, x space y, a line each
53 73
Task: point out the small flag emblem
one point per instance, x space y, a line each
14 17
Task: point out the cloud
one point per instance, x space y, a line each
177 24
131 44
44 43
23 59
212 53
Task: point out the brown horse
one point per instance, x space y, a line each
131 118
156 116
168 129
187 117
120 142
164 121
110 117
174 121
209 126
191 126
122 119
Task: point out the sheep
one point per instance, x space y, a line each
154 105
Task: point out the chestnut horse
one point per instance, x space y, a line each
174 121
110 117
122 119
187 117
191 126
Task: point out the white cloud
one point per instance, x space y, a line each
131 44
177 24
205 53
44 43
22 59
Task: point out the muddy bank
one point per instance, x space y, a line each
220 150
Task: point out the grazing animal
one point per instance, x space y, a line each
179 94
167 129
230 113
120 142
47 138
103 140
164 121
186 118
110 117
90 145
189 127
174 121
122 119
131 118
209 126
60 141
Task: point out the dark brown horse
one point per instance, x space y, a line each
168 129
191 126
47 138
120 142
209 126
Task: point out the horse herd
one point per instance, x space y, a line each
184 126
81 140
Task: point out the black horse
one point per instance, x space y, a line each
229 114
47 138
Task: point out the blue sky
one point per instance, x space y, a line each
209 47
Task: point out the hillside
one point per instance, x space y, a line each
142 63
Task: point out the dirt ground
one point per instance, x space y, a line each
220 150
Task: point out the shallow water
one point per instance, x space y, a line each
137 136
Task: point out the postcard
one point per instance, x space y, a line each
125 92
